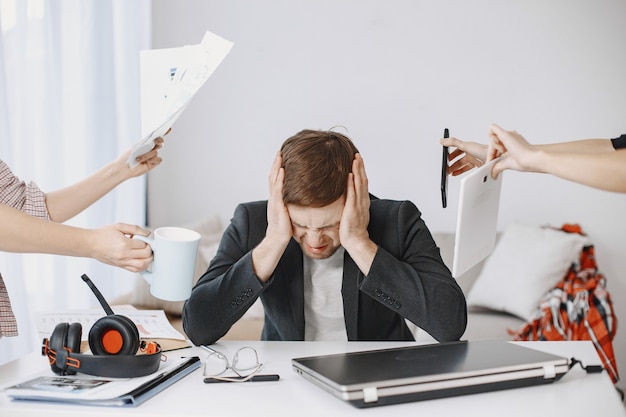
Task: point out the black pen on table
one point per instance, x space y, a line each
255 378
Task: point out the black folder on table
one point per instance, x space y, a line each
423 372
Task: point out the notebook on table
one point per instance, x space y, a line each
422 372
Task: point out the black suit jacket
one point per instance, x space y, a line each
407 279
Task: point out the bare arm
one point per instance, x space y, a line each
592 162
469 155
602 170
67 202
583 145
20 232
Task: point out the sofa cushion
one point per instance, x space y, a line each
526 263
489 324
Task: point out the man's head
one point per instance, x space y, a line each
317 164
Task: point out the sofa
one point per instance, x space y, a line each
503 291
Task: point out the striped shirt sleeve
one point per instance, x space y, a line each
26 197
31 200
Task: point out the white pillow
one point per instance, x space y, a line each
526 263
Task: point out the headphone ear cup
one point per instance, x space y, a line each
74 333
56 344
65 336
114 335
72 342
133 335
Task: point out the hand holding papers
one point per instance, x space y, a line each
169 79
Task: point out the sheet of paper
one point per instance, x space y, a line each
169 79
152 324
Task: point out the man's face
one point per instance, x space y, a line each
317 229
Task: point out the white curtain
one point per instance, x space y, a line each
69 104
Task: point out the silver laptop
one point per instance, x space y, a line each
477 218
422 372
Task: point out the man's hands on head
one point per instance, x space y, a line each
266 255
356 212
353 233
355 218
278 221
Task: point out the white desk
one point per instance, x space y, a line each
576 394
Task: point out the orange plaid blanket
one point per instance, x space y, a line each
577 308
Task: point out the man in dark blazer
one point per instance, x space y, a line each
328 260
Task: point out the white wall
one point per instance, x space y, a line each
395 73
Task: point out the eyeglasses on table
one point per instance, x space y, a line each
245 364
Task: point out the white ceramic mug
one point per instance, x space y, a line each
173 267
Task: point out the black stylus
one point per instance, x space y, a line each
444 172
256 378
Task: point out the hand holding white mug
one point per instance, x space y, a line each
172 272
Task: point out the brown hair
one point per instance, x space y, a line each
317 164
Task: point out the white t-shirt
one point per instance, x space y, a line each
323 304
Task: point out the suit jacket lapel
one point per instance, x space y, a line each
292 262
352 277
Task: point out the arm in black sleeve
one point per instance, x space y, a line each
229 287
408 268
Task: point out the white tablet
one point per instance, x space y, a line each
477 218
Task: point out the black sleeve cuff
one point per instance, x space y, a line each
620 142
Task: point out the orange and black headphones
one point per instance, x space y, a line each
113 340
